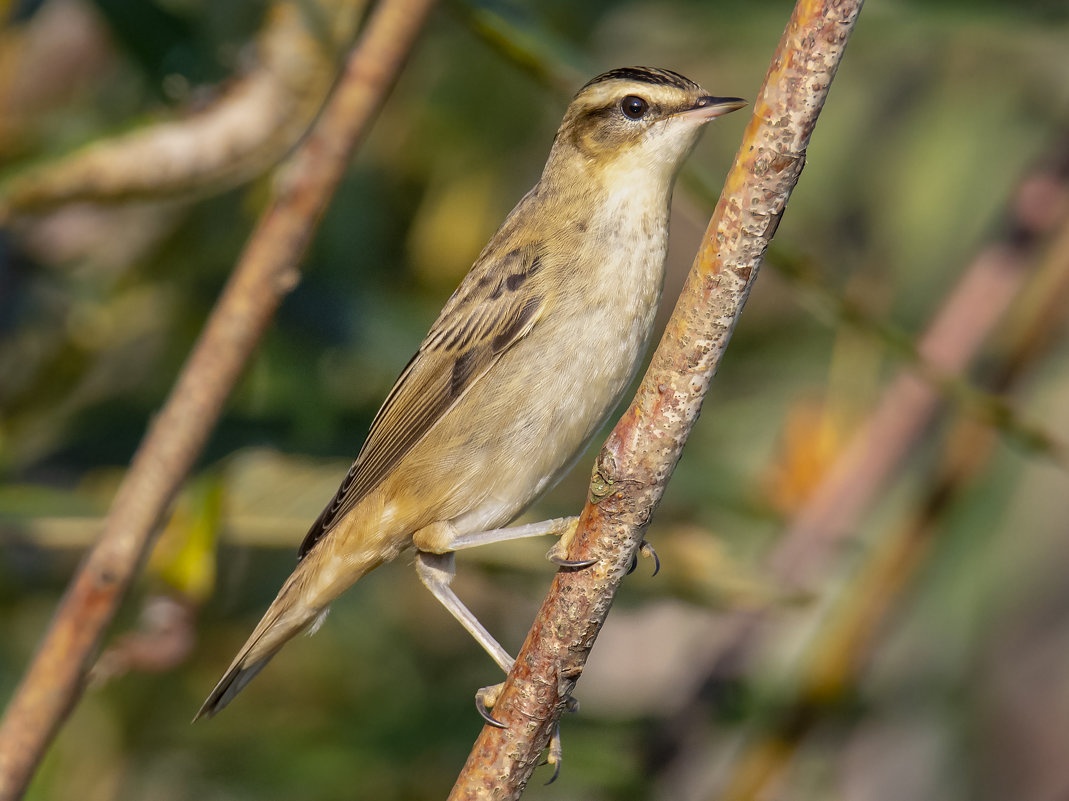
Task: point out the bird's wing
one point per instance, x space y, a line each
494 307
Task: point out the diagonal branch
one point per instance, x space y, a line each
256 121
265 273
838 651
993 280
637 461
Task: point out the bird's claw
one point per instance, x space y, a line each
485 699
647 551
558 554
570 564
555 752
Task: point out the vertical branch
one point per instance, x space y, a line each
264 274
637 461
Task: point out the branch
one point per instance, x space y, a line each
637 461
247 130
264 274
954 338
836 654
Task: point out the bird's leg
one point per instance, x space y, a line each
563 527
436 568
559 526
436 571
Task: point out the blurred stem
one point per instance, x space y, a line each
257 120
954 338
637 461
266 271
513 32
845 641
953 388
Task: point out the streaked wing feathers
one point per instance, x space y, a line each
494 307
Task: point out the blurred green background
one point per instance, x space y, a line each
937 113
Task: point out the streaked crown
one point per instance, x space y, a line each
647 75
636 117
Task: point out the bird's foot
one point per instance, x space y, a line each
558 554
555 752
647 551
485 699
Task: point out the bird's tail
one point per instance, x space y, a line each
289 614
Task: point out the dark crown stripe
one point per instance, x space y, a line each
650 75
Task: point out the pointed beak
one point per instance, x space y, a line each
708 108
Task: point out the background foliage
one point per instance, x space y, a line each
937 113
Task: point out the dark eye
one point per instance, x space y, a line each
634 107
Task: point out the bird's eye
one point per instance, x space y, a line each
634 107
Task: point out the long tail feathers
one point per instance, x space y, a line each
230 685
284 619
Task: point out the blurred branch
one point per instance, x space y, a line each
164 639
998 276
75 533
953 339
252 126
265 273
952 387
846 639
513 32
637 461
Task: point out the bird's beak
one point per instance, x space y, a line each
708 108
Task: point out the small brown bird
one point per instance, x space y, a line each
523 365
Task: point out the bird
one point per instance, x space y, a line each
524 364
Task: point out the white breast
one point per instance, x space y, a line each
579 364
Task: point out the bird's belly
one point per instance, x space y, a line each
574 378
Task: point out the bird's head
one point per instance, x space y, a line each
635 119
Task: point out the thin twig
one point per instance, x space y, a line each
265 273
638 459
